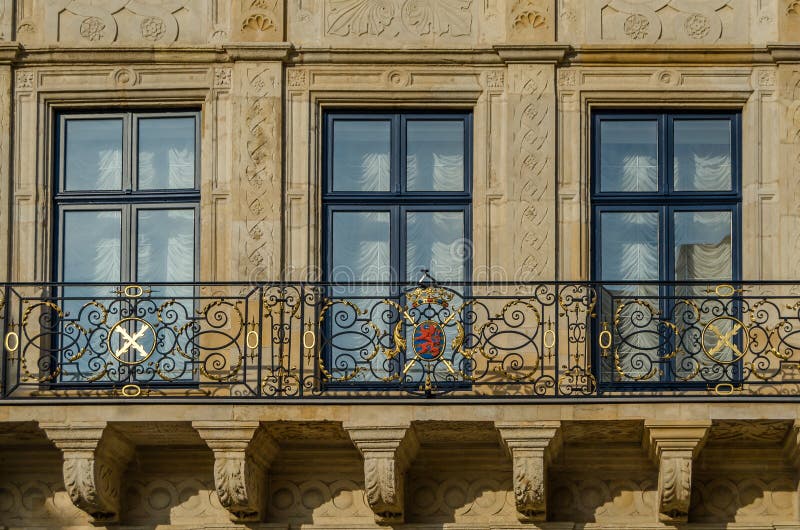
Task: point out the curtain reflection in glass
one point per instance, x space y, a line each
93 154
435 241
702 155
629 252
166 153
92 243
435 159
628 155
360 254
361 151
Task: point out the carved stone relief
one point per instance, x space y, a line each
602 499
789 20
649 21
338 498
147 22
742 498
257 20
462 498
531 21
179 500
532 155
387 20
259 186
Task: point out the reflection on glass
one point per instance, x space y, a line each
166 153
361 247
91 253
703 246
435 159
629 246
628 155
435 241
93 154
702 159
92 243
361 153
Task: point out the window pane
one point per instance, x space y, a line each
93 154
165 250
435 241
361 246
628 155
629 249
435 159
92 244
703 246
361 155
166 153
702 159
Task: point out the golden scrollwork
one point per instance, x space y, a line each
725 339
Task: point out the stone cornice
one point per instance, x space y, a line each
622 55
554 53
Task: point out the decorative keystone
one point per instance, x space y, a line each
95 458
243 452
387 452
532 446
672 447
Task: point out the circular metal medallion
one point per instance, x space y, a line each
429 340
723 332
132 340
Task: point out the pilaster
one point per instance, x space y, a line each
243 452
388 452
95 458
532 446
673 446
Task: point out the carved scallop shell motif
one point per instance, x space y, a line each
360 17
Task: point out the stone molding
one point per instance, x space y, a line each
388 453
95 458
673 446
532 446
243 452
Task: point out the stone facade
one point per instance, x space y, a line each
531 71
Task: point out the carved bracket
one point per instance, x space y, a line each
387 452
673 447
532 446
95 458
243 452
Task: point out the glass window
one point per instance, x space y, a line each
666 228
126 214
396 203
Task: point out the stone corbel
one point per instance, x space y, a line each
791 446
243 452
387 452
532 446
673 446
95 458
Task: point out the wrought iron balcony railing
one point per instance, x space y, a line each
479 340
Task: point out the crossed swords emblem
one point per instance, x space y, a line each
725 339
130 341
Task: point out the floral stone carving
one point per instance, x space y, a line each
95 457
387 453
243 452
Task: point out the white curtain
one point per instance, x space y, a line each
639 173
436 246
109 169
703 170
447 174
180 171
374 172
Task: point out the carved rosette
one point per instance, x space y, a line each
387 453
95 457
243 452
673 447
531 445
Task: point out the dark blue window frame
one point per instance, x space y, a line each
397 200
665 202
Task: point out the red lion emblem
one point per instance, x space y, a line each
428 340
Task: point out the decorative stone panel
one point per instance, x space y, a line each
387 452
243 452
141 21
95 457
532 446
531 21
684 21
